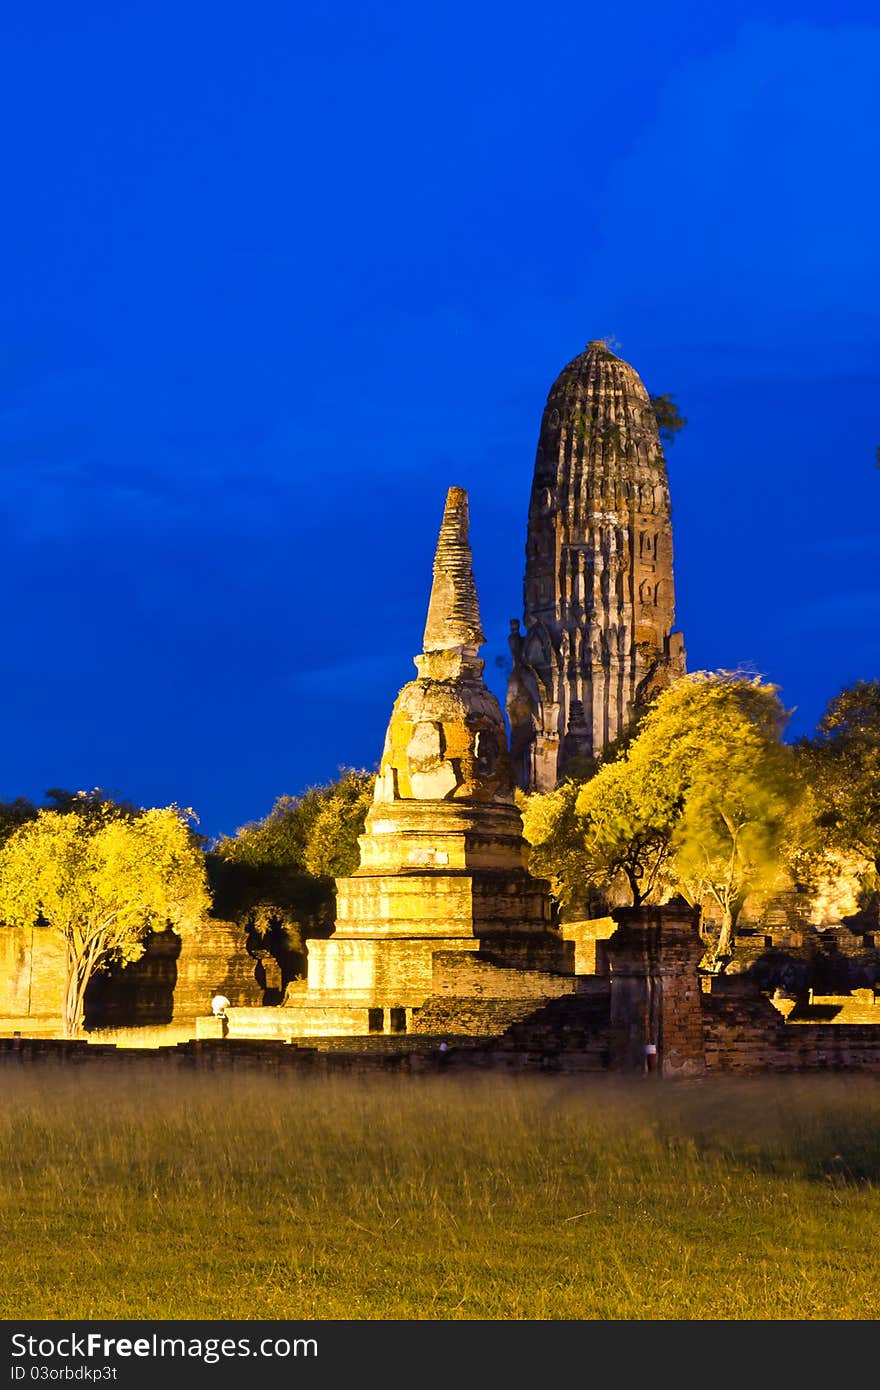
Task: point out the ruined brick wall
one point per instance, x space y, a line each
137 995
15 972
830 1047
831 961
468 975
682 1039
473 996
175 979
572 1030
172 980
32 973
656 1013
333 1055
744 1033
214 960
476 1017
585 936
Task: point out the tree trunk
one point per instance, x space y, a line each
79 972
69 1018
634 887
724 946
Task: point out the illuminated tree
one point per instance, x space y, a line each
15 813
842 766
627 816
95 802
696 804
331 849
554 832
833 845
277 873
102 881
609 836
727 842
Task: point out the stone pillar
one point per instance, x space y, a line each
655 990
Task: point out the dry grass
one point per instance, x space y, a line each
137 1195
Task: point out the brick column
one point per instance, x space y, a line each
655 990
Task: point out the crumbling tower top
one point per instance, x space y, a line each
453 622
453 632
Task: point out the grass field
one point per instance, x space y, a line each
137 1195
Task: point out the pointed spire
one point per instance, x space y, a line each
453 613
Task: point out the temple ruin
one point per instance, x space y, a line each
442 857
445 949
598 597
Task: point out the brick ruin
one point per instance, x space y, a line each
442 936
171 983
442 873
647 1011
598 595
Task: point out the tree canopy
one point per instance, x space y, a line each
554 833
727 842
696 804
277 873
101 880
95 802
608 835
670 422
834 844
842 764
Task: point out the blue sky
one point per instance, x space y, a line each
275 278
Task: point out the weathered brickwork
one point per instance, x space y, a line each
588 937
474 1016
743 1036
472 976
215 961
656 1016
441 866
139 994
32 973
492 1016
173 980
598 594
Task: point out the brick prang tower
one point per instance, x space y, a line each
598 600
